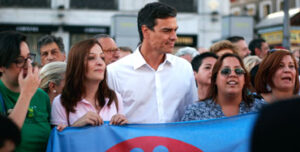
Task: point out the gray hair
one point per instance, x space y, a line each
187 50
52 72
250 61
47 39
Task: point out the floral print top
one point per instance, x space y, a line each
209 109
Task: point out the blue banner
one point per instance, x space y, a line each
227 135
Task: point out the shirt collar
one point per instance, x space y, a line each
140 61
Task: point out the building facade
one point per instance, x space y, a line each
199 20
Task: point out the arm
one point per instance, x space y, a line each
28 86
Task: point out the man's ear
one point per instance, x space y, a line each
145 31
51 86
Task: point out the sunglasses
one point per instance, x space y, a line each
238 71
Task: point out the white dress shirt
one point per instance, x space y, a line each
153 96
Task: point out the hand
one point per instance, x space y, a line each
61 127
118 119
31 81
90 118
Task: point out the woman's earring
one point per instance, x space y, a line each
54 91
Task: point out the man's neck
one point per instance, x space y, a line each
152 57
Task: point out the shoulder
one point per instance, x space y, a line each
57 102
123 62
41 95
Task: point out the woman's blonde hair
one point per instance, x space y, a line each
52 72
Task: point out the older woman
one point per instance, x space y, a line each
86 99
277 76
53 78
228 92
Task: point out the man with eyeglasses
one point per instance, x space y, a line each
51 48
109 48
20 98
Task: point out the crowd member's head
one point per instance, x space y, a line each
187 53
241 44
51 48
250 61
259 47
10 135
202 66
85 66
53 78
157 27
223 47
109 47
14 54
124 51
277 127
230 79
277 73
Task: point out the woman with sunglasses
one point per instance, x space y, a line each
277 76
86 99
228 92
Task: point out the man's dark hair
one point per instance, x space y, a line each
235 39
152 11
47 39
197 60
9 131
10 42
255 43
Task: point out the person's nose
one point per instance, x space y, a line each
173 36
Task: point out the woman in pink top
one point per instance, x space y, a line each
86 98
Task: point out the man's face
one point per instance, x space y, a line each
163 36
264 49
110 50
242 48
50 53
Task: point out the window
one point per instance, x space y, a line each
251 9
265 8
279 5
94 4
236 11
183 6
26 3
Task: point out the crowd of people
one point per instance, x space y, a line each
99 81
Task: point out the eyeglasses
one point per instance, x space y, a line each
227 71
112 50
20 61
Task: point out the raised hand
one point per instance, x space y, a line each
30 81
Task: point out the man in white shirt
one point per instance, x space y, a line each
154 84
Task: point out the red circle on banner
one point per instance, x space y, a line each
149 143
